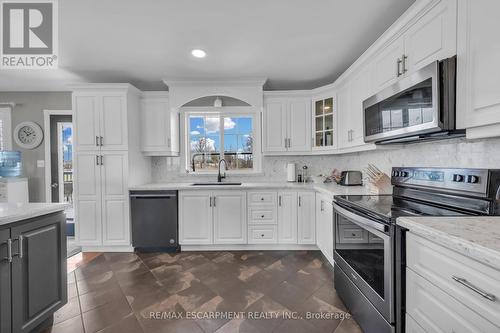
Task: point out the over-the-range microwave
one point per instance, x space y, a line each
418 107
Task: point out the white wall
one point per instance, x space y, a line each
449 153
30 106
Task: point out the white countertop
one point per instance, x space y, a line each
13 212
327 189
475 237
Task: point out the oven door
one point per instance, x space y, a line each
364 251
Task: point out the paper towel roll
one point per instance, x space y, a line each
290 172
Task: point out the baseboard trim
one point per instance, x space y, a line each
107 249
248 247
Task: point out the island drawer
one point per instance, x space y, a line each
472 283
262 198
261 215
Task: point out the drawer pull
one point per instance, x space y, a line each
262 216
261 199
262 235
469 285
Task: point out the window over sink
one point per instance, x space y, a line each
214 135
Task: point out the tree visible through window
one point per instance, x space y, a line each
213 137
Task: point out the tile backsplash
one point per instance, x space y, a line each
450 153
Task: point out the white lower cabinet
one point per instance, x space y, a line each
232 217
229 213
306 218
195 217
217 217
444 289
287 217
324 226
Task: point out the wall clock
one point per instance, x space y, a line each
28 135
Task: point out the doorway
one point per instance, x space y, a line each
59 169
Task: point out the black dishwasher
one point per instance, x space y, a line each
154 221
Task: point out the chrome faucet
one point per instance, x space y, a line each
219 176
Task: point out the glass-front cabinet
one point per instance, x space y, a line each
324 124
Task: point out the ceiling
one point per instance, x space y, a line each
296 44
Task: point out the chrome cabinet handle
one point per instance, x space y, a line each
404 58
214 200
286 143
97 141
472 287
210 202
398 67
279 200
102 160
8 242
102 141
96 159
20 246
300 201
289 142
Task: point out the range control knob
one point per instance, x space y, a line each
458 178
394 173
472 179
404 173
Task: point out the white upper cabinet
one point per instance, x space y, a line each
432 37
324 124
350 108
113 120
101 121
159 126
299 124
387 64
230 223
478 95
287 124
87 117
275 126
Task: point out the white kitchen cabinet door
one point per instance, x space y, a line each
115 207
287 217
114 122
360 90
275 126
195 218
88 199
306 218
433 37
87 128
478 51
344 115
159 128
324 226
229 213
320 225
299 125
329 229
385 64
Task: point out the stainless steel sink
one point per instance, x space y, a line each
216 184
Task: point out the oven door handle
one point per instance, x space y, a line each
360 219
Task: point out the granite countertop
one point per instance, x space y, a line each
327 189
13 212
475 237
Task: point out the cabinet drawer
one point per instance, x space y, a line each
262 215
262 198
352 234
439 265
262 234
436 311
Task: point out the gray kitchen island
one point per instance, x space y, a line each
33 268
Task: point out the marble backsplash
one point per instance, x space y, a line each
450 153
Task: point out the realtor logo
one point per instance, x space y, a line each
28 34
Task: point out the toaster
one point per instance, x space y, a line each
351 178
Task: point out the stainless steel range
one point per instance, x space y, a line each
369 249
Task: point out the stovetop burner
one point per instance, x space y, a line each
388 207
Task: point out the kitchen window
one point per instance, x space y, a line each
212 136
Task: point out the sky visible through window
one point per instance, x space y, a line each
207 134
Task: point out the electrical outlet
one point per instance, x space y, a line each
40 163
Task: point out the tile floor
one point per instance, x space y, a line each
125 292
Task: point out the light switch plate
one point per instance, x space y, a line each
40 163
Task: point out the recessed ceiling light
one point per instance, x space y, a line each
197 53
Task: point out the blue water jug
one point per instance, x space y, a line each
10 163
